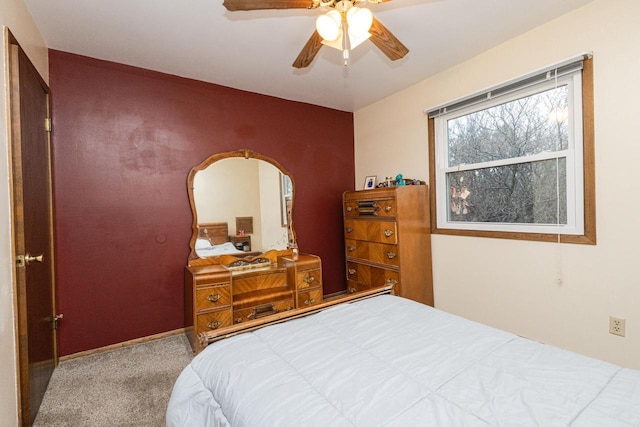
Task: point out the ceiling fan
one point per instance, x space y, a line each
343 27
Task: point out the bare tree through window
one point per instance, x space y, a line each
513 188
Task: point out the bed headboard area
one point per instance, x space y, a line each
216 232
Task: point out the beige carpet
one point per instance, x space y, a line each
130 386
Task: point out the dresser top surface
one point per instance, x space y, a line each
378 193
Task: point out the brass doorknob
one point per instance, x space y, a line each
28 259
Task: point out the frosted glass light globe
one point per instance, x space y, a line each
359 20
328 25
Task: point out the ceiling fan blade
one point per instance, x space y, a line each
234 5
386 41
309 51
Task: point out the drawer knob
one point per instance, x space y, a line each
213 297
349 229
352 271
391 255
352 290
387 208
214 325
388 233
349 208
351 248
392 281
310 302
309 279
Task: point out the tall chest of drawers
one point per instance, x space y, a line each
388 240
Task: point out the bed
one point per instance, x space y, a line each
213 240
389 361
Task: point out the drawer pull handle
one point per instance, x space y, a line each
388 233
387 208
391 255
261 311
214 325
351 248
349 229
352 271
213 297
392 281
309 279
352 290
310 302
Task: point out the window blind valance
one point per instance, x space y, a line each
546 74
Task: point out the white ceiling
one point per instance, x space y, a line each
254 50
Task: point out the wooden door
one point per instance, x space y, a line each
33 230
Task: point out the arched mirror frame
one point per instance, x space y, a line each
243 153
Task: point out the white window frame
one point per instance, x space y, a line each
573 155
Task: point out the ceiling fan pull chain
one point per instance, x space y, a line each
345 42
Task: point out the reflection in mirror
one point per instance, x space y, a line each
286 198
228 190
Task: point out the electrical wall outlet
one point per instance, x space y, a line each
616 326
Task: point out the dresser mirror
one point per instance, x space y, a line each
241 203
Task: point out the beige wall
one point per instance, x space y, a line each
14 15
274 236
558 294
225 198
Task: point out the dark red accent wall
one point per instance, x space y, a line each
124 141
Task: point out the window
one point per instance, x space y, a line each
517 161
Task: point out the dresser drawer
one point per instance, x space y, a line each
252 281
252 313
310 297
370 208
375 252
212 297
213 320
355 229
308 279
217 278
350 209
358 272
374 231
353 286
371 276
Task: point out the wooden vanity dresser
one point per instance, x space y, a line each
388 240
217 297
226 288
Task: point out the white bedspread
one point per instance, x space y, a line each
206 250
388 361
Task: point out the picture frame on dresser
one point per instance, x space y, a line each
369 182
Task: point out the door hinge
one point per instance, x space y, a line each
47 124
56 318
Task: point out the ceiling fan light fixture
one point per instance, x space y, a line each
356 40
336 44
359 20
329 25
